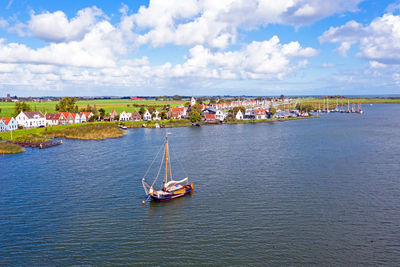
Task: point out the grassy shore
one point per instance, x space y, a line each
9 148
88 132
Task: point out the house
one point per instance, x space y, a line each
219 115
147 116
31 119
239 115
2 126
136 116
125 116
209 116
260 113
69 119
55 119
77 117
156 118
250 114
177 113
10 124
113 114
85 116
192 101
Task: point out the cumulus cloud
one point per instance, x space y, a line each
378 41
267 59
55 27
216 23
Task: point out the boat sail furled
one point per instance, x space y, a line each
171 189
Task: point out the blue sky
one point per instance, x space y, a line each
199 47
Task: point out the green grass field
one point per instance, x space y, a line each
119 105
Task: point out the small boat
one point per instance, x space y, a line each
123 127
171 189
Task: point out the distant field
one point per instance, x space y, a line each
119 105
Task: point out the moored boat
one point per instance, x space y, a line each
171 188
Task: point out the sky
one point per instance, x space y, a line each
199 47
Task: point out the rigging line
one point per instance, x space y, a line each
153 160
170 164
159 170
181 165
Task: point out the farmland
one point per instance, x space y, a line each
119 105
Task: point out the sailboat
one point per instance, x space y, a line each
171 189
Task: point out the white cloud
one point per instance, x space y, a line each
55 27
3 23
378 41
215 23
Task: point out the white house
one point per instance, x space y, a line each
147 116
219 115
156 118
239 115
31 119
83 117
192 101
125 116
2 126
77 117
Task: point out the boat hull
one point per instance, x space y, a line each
165 196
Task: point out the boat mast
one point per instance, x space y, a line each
166 160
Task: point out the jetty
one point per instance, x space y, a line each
38 144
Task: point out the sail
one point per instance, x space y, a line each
172 182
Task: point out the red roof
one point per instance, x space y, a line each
209 116
260 111
179 110
87 114
67 115
6 120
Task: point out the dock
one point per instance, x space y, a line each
38 144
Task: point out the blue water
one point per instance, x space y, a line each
309 192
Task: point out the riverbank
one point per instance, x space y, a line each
9 148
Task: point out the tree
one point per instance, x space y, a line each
194 116
0 110
199 100
151 109
259 98
187 104
282 97
94 110
196 107
21 107
163 115
176 97
102 112
272 111
142 111
67 104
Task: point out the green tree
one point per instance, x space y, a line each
176 97
199 100
163 115
21 106
272 111
259 98
0 110
94 110
151 109
142 110
67 104
196 107
187 104
102 112
282 97
194 116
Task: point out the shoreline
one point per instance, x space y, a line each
106 130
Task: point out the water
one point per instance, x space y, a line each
319 191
